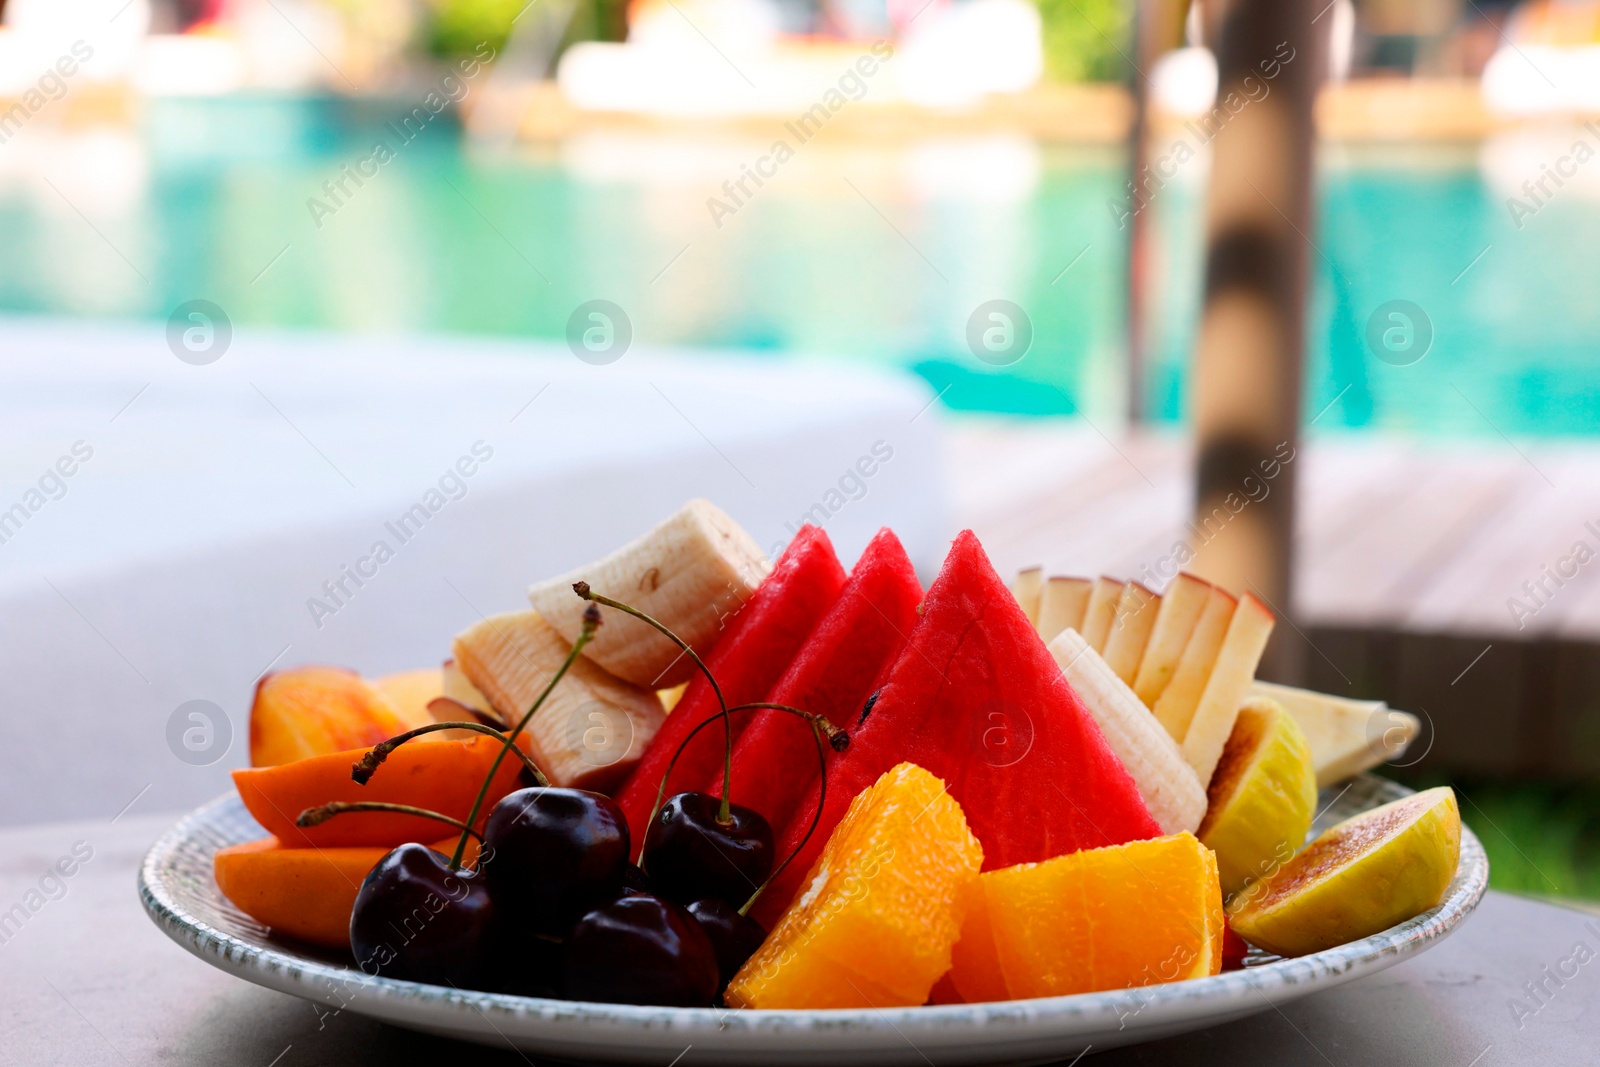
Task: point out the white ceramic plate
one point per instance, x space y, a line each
177 888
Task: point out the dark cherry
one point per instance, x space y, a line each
418 920
525 966
641 950
553 854
634 879
692 856
734 937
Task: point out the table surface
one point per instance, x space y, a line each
86 979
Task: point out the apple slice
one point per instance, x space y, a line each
591 730
1182 695
1180 609
1229 684
1027 588
1062 606
1100 612
1130 630
1346 736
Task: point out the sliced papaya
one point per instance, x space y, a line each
443 776
303 893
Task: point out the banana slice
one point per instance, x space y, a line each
1170 788
593 728
691 572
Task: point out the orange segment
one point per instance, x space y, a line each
1106 918
881 906
974 962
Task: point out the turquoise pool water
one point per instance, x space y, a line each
854 252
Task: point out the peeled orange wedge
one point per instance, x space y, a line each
1262 797
1361 877
881 907
1108 918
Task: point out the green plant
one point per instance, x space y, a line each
458 27
1542 838
1085 40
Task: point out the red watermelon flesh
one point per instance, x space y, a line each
747 660
976 699
775 761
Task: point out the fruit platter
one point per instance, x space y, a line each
694 805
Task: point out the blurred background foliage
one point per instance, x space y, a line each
1084 40
456 27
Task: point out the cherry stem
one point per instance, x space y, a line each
322 813
724 813
361 772
820 726
591 622
838 740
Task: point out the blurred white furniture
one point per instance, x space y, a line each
182 558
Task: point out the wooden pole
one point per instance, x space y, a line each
1251 345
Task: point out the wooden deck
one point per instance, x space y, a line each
1390 535
1407 558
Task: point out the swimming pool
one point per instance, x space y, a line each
855 251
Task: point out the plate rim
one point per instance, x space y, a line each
278 967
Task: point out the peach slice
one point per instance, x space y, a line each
305 893
314 710
410 693
443 777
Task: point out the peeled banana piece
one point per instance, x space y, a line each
1169 786
591 730
692 572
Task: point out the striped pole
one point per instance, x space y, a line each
1251 344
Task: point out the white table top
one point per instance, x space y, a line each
89 980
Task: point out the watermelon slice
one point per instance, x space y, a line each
976 699
775 762
747 660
